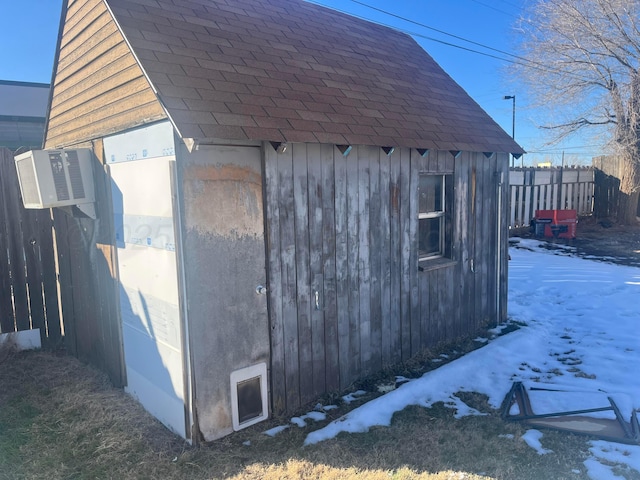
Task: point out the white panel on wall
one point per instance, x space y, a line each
145 183
140 165
146 142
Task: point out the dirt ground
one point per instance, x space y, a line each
601 240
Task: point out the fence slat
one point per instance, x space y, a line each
16 267
6 305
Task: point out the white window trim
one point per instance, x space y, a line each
435 214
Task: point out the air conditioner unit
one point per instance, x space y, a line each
55 178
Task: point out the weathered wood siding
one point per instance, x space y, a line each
346 295
98 88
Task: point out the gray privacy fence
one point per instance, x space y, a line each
555 188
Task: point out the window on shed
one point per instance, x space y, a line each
432 216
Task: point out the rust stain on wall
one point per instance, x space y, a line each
223 200
395 197
223 173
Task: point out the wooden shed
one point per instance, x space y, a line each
288 199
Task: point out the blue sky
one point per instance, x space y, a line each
29 42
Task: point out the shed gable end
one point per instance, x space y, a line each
98 87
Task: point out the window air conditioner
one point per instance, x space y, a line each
55 178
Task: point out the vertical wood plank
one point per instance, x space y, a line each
49 277
31 247
65 281
427 336
302 261
453 192
289 281
513 206
405 252
526 218
385 261
315 229
473 175
274 279
6 306
414 286
446 282
503 160
486 247
364 270
353 256
461 233
342 267
15 241
491 254
376 228
435 320
332 372
395 186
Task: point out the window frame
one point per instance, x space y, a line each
444 216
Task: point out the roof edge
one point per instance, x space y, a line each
142 69
63 18
17 83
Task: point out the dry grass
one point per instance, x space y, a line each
60 419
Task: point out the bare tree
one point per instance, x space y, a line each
584 67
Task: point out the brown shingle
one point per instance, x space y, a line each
289 70
224 131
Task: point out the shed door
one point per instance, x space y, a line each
147 270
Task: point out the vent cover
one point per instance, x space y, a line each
249 396
28 182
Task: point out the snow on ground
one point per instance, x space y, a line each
532 437
581 334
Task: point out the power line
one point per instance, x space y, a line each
520 60
493 8
399 17
433 39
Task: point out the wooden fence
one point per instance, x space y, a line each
28 284
75 302
549 189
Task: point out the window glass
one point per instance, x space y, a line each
430 193
429 237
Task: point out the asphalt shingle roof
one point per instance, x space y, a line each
287 70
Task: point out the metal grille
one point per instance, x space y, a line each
26 170
75 174
59 178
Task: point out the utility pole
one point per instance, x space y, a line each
513 124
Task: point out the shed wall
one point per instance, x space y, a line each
224 263
346 295
99 88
